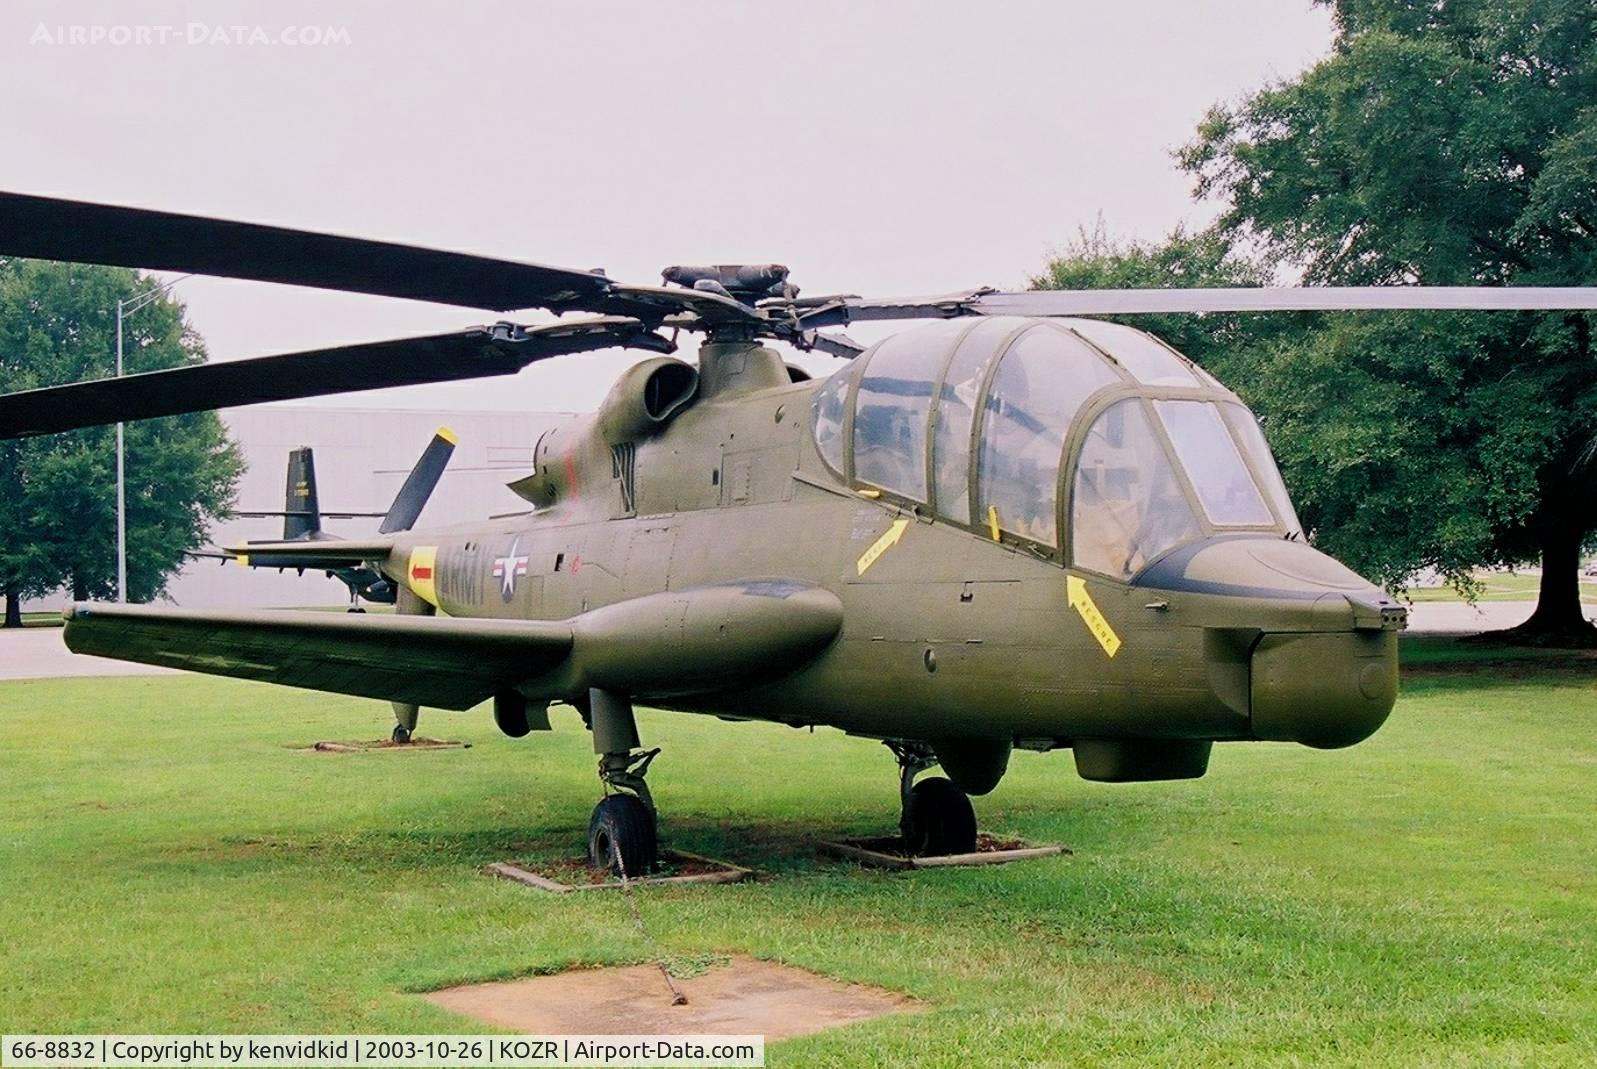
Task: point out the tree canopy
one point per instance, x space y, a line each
58 511
1439 143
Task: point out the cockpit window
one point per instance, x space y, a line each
1128 508
827 413
892 406
1151 473
1043 378
1258 451
956 407
1225 489
1149 361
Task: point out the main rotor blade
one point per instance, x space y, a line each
1288 299
1235 299
832 344
52 229
477 353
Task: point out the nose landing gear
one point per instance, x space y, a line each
937 817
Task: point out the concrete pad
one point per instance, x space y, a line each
41 653
746 997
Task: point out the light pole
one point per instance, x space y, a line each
123 310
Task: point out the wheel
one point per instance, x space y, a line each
621 824
401 733
939 819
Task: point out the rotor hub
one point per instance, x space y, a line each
741 282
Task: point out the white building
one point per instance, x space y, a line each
362 457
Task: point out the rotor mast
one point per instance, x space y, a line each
731 358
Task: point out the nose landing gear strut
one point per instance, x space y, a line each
936 817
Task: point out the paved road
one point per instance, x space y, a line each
1456 617
39 653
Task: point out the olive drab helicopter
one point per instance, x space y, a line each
1010 527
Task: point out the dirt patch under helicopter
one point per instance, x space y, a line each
564 874
416 745
890 852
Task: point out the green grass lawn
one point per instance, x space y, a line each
169 864
42 619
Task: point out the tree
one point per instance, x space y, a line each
1443 144
58 512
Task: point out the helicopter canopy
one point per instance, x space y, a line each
1090 441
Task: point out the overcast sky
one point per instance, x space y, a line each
875 148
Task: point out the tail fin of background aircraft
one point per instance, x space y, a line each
302 515
419 484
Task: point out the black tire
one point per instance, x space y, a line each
401 733
939 819
623 825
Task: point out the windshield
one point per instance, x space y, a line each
1225 488
1258 451
1128 506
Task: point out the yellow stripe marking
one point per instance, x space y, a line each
882 545
992 521
447 435
1082 602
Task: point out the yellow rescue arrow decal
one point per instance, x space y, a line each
882 545
1082 602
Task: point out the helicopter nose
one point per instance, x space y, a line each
1324 690
1323 668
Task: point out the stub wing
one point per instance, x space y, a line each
671 644
444 663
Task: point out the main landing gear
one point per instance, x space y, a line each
405 604
405 716
621 833
937 817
